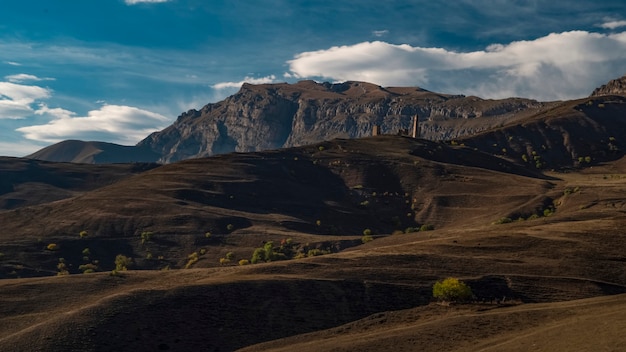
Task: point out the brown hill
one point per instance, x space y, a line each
94 153
565 246
338 188
27 182
569 134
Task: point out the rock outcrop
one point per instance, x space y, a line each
261 117
614 87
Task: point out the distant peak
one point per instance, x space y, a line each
614 87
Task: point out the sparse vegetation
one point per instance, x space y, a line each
192 259
146 236
52 247
504 220
427 227
122 263
88 268
367 238
451 290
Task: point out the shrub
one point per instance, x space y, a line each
207 234
258 255
367 232
122 262
411 229
316 252
367 238
146 236
192 259
86 251
52 247
244 262
83 234
224 261
88 268
230 227
62 267
504 220
230 255
427 227
451 290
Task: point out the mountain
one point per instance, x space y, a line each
269 116
614 87
74 151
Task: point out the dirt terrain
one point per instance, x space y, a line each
355 233
368 297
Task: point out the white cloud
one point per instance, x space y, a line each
16 99
262 80
557 66
613 24
134 2
115 123
21 77
380 33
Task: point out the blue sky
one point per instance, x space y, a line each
116 70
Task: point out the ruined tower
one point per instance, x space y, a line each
416 127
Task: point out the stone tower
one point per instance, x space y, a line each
416 127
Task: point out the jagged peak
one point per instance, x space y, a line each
613 87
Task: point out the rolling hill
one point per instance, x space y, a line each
332 245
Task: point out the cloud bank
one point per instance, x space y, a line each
252 80
16 99
553 67
115 123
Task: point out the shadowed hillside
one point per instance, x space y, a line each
332 190
330 246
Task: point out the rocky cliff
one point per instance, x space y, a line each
614 87
261 117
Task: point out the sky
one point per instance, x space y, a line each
117 70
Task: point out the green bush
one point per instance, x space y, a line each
367 238
452 290
83 234
192 259
52 247
122 262
367 232
427 227
146 236
504 220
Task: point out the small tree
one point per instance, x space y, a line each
122 262
451 290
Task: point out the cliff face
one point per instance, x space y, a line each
261 117
614 87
